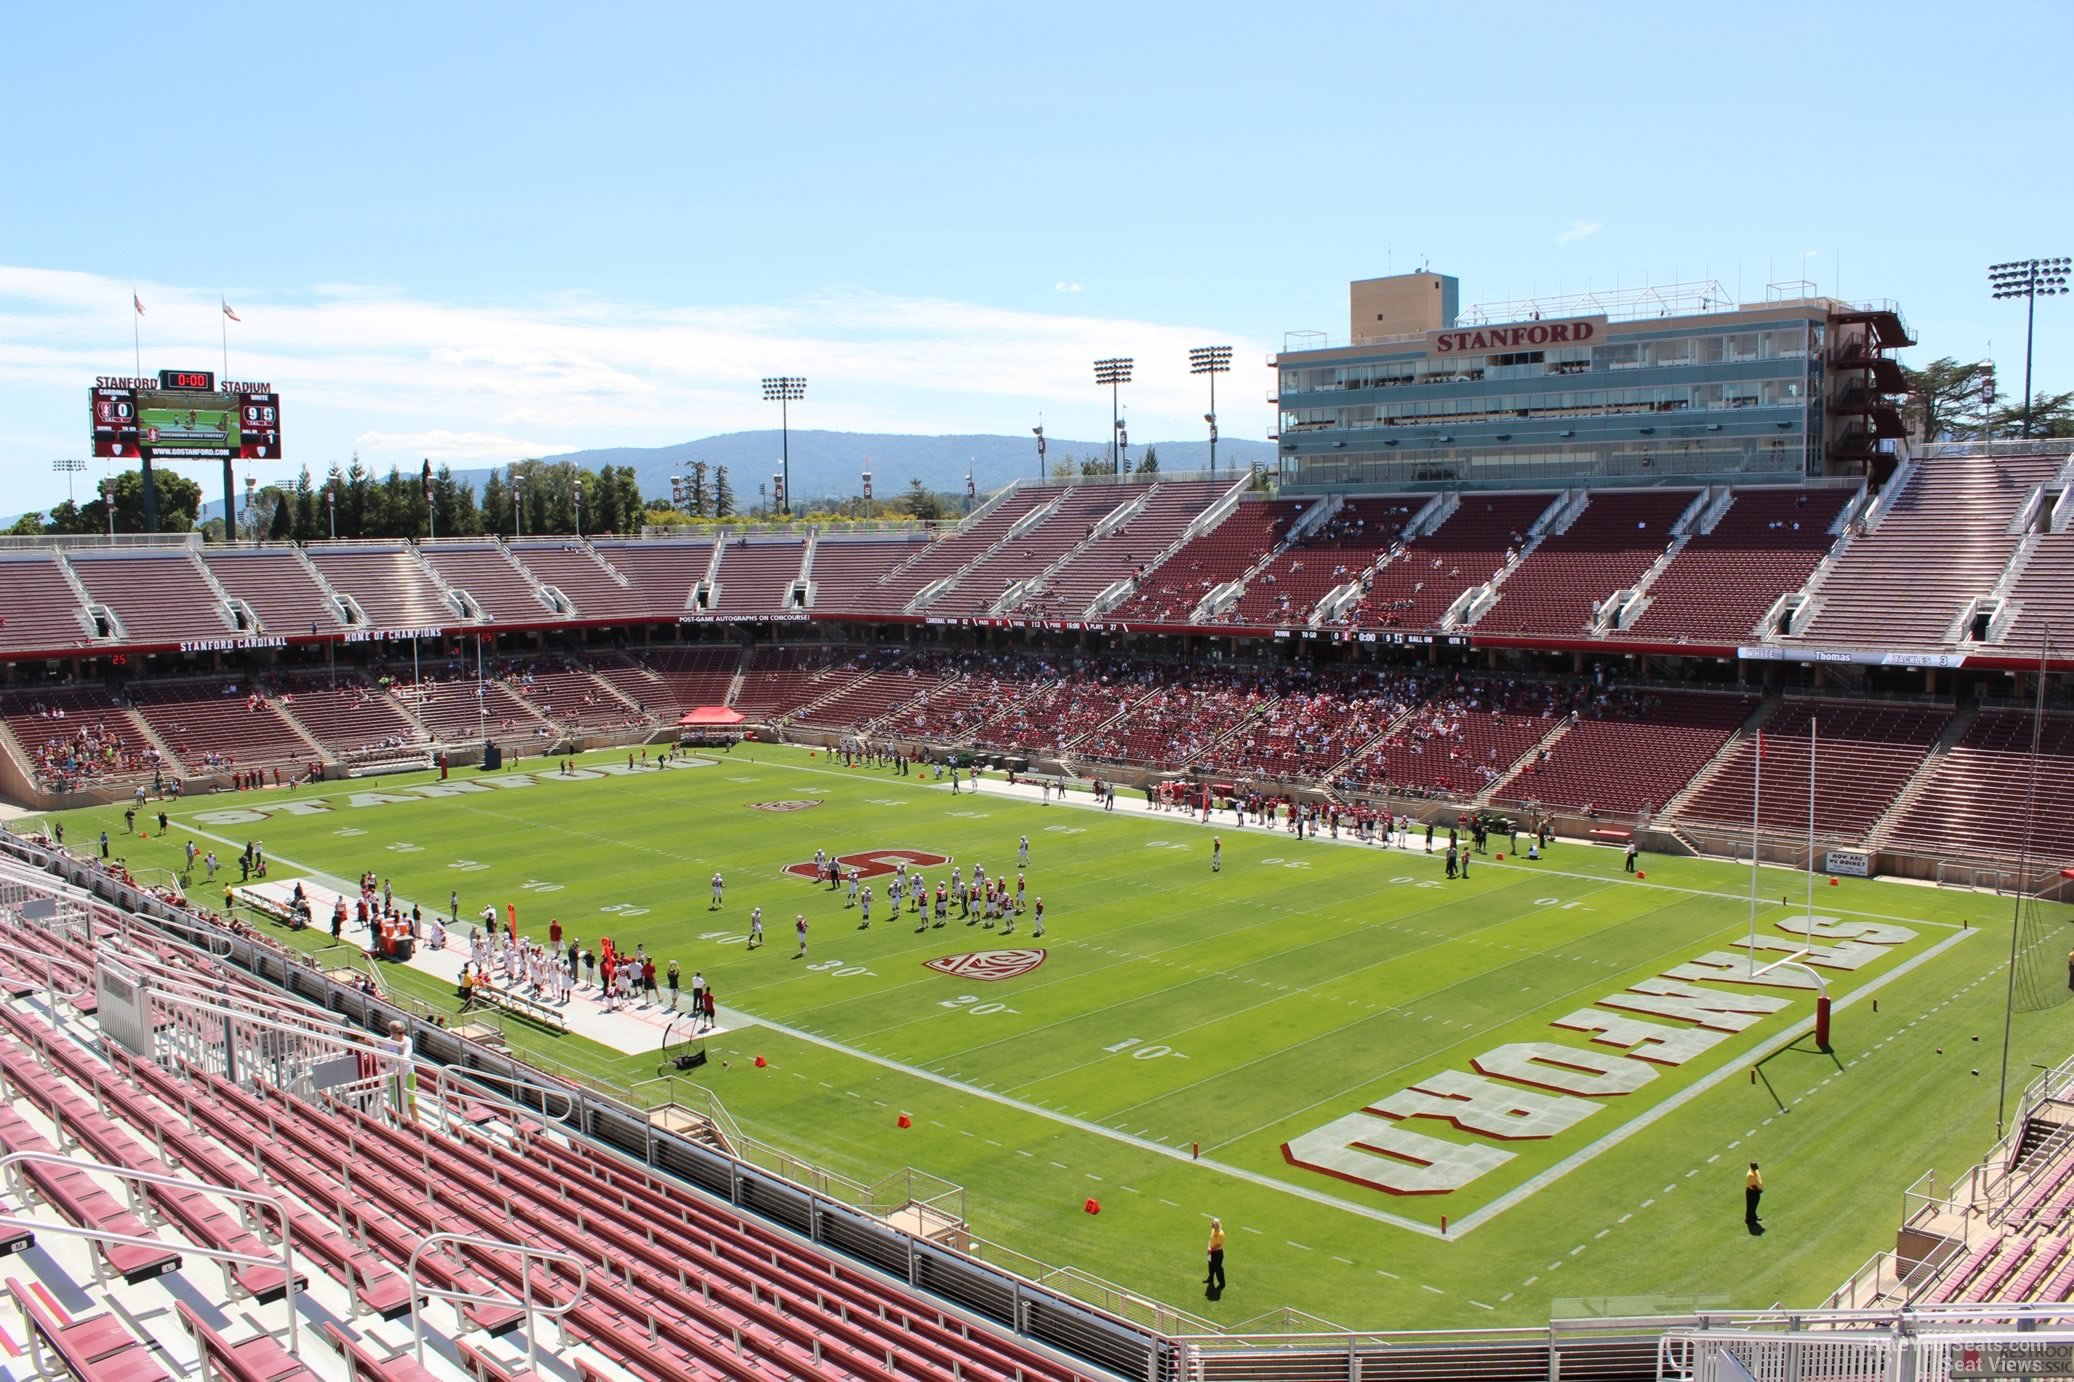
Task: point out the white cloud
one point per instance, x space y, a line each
1580 229
1062 286
396 377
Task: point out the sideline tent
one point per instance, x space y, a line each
711 717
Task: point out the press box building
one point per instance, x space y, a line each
1611 388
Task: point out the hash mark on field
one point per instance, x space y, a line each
1716 1157
1507 1296
1092 1176
1392 1275
1168 1203
1602 1233
1625 1217
992 1143
1060 1164
1347 1260
1131 1188
1020 1152
1249 1228
1434 1289
967 1132
1579 1248
1294 1244
1481 1306
1529 1282
1693 1172
1648 1202
934 1124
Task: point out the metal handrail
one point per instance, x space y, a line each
526 1253
286 1261
446 1084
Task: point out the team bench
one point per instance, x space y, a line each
1611 835
518 1005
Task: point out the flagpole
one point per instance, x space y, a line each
2023 875
223 325
136 334
1756 794
1814 731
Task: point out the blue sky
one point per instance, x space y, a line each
475 231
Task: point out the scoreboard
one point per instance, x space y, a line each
185 415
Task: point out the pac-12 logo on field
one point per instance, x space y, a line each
988 965
799 805
873 863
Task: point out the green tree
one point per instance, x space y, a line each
28 525
454 503
179 500
1096 464
356 500
701 500
723 494
920 502
2052 417
282 528
1949 401
306 523
1150 465
496 505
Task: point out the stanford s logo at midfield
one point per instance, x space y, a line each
988 965
798 805
873 863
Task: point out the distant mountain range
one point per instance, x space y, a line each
831 463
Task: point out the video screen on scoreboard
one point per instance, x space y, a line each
136 420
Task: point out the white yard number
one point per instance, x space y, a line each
1141 1051
534 885
467 866
969 1002
625 909
405 847
972 815
837 969
348 830
1065 830
1166 844
1288 863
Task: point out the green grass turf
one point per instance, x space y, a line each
1291 988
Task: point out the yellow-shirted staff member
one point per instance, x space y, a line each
1215 1280
1753 1191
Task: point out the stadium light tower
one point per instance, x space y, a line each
1114 372
1039 431
785 390
518 514
1213 361
579 510
2029 279
68 468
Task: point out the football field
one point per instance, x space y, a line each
1414 1102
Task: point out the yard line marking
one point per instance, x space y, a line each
1294 1244
1169 1203
1507 1296
1602 1233
1529 1282
1625 1217
1348 1260
1434 1289
1392 1275
992 1143
1092 1176
1060 1164
1481 1306
1648 1202
1579 1248
1716 1157
1020 1152
1132 1189
1249 1228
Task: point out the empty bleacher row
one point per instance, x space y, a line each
1703 566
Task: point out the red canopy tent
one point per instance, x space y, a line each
711 717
